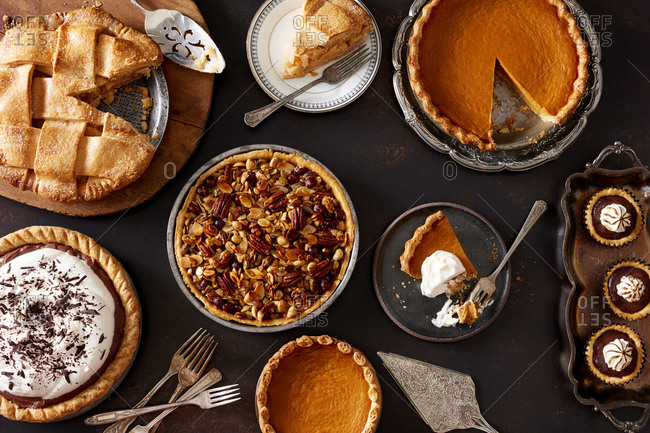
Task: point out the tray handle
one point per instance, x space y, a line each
628 426
617 148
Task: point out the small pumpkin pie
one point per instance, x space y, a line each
264 237
615 354
318 384
70 322
330 29
436 234
456 46
614 217
627 289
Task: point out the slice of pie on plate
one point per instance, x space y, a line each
52 140
457 44
331 28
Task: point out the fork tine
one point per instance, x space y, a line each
349 70
217 398
350 58
200 355
216 393
199 332
205 358
189 357
221 403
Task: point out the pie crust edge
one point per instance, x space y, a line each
126 293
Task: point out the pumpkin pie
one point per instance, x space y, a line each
70 321
436 234
457 44
264 238
330 29
53 141
318 384
615 354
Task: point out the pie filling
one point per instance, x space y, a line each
61 324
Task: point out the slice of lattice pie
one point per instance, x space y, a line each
53 72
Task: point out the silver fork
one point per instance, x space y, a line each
181 356
206 400
193 369
334 74
485 286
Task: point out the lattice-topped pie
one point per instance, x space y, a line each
264 237
52 73
69 323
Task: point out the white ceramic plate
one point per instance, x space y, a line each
271 33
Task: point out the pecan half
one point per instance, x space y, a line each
222 204
258 244
298 219
226 260
277 200
326 239
225 284
320 269
299 298
293 278
206 250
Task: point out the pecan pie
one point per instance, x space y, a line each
264 238
457 44
331 28
318 384
53 72
615 354
69 323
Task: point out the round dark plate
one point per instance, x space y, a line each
399 294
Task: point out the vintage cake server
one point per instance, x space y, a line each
182 40
445 399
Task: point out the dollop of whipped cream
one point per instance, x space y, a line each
437 270
615 218
57 320
630 288
618 354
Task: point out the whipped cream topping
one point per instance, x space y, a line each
57 320
618 354
630 288
437 271
615 218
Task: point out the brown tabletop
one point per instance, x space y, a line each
516 363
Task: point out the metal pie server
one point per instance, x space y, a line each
182 40
445 399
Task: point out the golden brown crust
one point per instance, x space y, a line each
374 390
468 137
589 354
626 263
631 198
266 155
126 293
411 245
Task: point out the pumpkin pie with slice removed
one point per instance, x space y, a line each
318 384
457 44
331 28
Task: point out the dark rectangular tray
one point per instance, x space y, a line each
586 262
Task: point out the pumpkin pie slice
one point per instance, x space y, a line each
331 28
457 44
435 235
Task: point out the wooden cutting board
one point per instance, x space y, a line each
190 97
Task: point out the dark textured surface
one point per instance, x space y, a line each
515 363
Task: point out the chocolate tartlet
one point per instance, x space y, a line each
614 217
627 289
69 323
615 354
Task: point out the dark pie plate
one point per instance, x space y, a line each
399 294
586 262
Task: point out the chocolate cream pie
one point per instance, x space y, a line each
614 217
615 354
69 323
627 289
